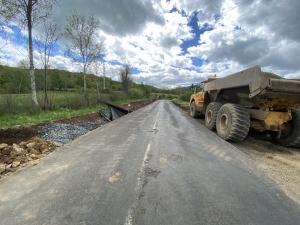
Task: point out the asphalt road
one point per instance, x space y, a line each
154 166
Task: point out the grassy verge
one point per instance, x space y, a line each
182 104
46 116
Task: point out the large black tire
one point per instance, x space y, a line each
211 115
233 122
193 111
290 136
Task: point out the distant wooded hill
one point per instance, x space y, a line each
17 80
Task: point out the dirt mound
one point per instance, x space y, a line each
17 135
136 105
14 155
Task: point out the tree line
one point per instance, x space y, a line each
16 80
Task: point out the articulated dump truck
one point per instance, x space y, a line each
233 104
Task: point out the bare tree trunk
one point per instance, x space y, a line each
84 85
33 90
98 90
32 78
20 85
45 90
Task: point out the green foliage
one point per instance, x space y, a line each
136 93
186 96
14 80
170 96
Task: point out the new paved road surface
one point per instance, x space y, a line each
155 166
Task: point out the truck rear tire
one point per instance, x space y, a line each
211 115
193 111
233 122
290 136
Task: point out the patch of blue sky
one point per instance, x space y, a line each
175 9
217 16
115 62
193 23
135 71
149 38
6 57
133 44
17 36
237 28
198 62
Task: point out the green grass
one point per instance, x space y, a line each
183 104
19 103
48 116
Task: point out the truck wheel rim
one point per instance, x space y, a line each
224 122
287 130
209 116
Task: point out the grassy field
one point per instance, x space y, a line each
46 116
17 110
17 103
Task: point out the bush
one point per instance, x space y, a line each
115 96
136 93
186 96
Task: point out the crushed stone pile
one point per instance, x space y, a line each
64 133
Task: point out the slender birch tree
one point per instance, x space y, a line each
45 44
28 14
85 47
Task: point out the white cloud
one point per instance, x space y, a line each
148 36
6 29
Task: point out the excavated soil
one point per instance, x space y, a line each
281 163
22 146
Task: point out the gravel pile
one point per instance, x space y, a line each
64 133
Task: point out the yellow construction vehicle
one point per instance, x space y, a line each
233 104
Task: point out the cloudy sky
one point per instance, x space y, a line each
176 42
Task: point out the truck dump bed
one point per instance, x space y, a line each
249 87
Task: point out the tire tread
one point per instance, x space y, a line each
240 123
215 108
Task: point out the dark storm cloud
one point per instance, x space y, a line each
117 17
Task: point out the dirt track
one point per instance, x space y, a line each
280 163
